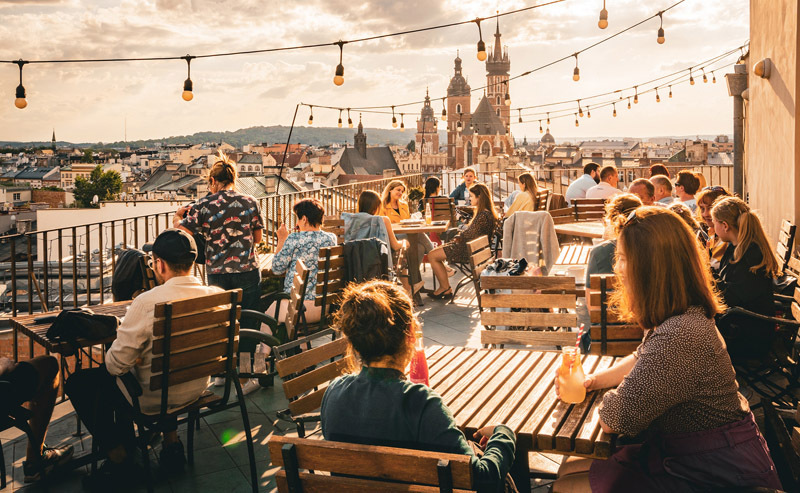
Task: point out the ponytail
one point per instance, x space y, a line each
736 213
224 170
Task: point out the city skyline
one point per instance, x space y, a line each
90 102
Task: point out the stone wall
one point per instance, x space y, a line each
52 198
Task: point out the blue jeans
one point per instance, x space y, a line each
249 282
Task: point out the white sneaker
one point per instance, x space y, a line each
250 386
260 365
219 381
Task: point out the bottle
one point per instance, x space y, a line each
419 365
428 216
571 377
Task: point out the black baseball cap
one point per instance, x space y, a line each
173 245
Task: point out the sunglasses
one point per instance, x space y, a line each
632 219
715 188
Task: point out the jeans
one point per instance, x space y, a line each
249 282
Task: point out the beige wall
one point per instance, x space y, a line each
772 167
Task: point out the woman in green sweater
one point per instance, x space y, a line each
379 406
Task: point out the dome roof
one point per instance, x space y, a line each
548 139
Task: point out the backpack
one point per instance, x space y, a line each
129 275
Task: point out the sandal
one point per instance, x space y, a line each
442 295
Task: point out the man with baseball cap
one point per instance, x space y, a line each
102 403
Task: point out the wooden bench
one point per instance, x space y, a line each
443 209
610 335
521 292
580 210
349 467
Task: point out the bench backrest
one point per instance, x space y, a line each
330 279
542 199
307 374
349 467
785 243
480 256
610 335
539 293
296 298
194 338
443 209
335 225
580 210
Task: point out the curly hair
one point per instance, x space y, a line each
618 209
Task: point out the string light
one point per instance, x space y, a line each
588 112
520 116
338 78
311 115
580 110
614 114
20 101
705 78
670 91
508 96
548 120
691 79
636 95
603 22
660 39
481 44
658 98
349 120
340 119
187 84
402 123
444 111
576 121
394 119
713 78
548 129
576 74
629 102
540 126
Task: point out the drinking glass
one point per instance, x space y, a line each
571 377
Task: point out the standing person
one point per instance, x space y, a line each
577 189
678 387
377 405
745 278
232 226
705 200
609 178
461 192
663 190
526 200
483 223
392 204
686 186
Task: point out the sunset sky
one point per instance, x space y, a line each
91 102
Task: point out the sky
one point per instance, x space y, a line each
93 102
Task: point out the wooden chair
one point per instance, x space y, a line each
443 209
542 199
307 372
785 243
539 295
351 468
783 449
609 334
330 280
193 339
335 225
480 256
580 210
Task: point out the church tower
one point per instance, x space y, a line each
427 129
53 143
360 140
458 111
497 69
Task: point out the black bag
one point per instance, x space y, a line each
81 323
128 276
785 285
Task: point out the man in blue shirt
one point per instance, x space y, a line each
461 192
578 188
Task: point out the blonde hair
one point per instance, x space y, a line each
685 213
485 202
665 272
224 170
385 196
737 214
619 208
530 187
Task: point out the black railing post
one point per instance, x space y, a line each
14 281
100 260
75 266
88 266
45 255
31 277
60 269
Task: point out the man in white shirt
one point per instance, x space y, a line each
608 184
685 187
100 399
663 190
577 189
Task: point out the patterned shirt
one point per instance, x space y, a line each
227 220
302 245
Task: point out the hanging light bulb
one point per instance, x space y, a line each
349 120
691 79
338 77
603 22
713 78
444 111
340 119
520 115
548 119
187 84
615 109
576 121
311 115
481 44
658 98
705 78
588 112
402 123
629 102
508 100
660 39
459 126
394 119
670 91
576 74
540 126
580 110
20 101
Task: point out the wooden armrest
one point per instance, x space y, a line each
737 310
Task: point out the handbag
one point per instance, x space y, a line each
81 323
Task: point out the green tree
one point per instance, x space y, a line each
88 156
412 145
103 184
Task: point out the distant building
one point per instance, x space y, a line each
68 174
360 163
32 176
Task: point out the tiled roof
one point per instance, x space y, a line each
188 181
256 185
378 159
251 159
33 173
485 121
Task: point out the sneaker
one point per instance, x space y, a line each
250 386
172 458
52 457
219 381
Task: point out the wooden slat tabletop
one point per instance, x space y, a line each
26 325
265 264
574 255
515 387
586 229
397 228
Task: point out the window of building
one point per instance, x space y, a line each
498 111
17 196
498 101
458 108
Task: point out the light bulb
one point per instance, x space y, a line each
660 38
187 90
481 50
580 112
350 122
520 119
705 79
670 91
508 100
603 22
394 122
713 78
615 112
576 74
691 80
588 114
548 120
311 120
636 99
576 121
629 103
187 95
540 127
340 122
444 114
20 103
658 98
338 79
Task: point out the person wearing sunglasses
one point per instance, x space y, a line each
706 235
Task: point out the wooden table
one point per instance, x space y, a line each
414 257
515 387
585 229
574 255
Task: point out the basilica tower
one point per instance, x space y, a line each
458 111
498 66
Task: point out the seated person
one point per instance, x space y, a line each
659 169
607 188
686 214
377 405
96 394
745 278
461 192
526 200
644 189
303 244
601 258
432 188
663 190
578 188
484 223
678 388
713 245
686 186
392 204
34 381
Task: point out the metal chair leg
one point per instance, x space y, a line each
190 439
248 434
2 469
